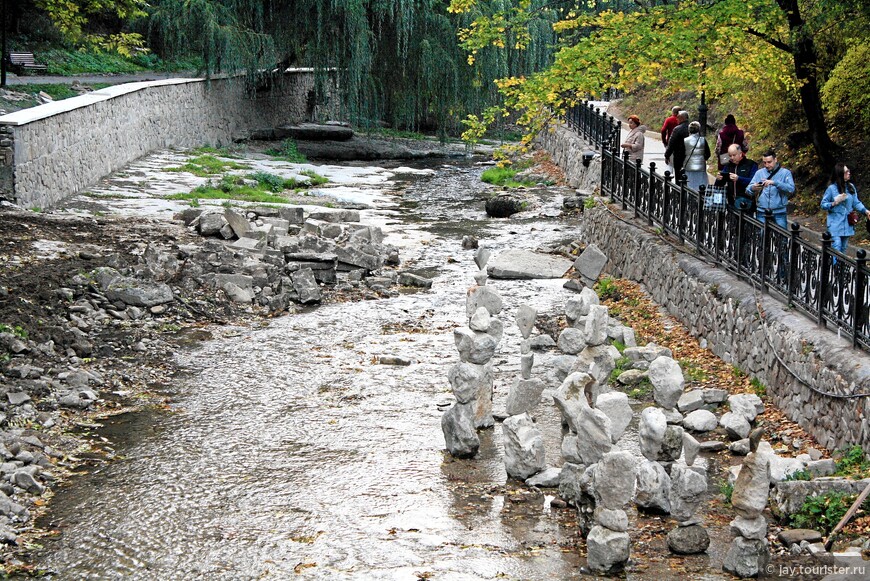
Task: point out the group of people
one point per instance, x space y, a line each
747 186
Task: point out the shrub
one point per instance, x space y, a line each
288 152
822 513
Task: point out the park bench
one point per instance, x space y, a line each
21 62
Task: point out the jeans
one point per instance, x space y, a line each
780 219
839 243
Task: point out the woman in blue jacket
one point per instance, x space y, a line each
840 198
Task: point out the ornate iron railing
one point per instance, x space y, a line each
828 286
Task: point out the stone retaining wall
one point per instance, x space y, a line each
722 310
54 150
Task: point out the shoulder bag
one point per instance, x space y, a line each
854 216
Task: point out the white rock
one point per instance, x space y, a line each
652 432
700 421
615 405
523 447
668 382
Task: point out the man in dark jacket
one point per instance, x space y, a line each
669 124
735 177
676 150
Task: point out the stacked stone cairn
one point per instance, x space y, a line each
523 442
665 484
596 418
471 378
749 553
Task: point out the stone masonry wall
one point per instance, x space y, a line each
721 309
48 158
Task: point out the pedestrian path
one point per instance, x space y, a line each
654 151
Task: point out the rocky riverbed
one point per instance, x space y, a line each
296 438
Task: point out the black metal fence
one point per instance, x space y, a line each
828 286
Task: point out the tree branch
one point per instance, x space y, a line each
771 41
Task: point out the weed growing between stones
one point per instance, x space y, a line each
757 387
206 165
853 463
288 152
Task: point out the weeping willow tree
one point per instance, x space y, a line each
396 61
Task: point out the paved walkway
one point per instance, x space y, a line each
654 151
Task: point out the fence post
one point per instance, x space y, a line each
652 189
765 242
741 220
681 184
824 275
597 136
792 260
699 229
858 303
666 194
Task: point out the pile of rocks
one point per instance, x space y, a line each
471 378
749 553
282 256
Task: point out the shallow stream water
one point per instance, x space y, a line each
289 450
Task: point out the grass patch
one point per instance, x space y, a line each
503 176
272 182
287 152
799 475
622 365
759 388
72 62
315 178
242 193
206 165
641 391
215 151
693 371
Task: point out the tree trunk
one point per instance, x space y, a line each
805 61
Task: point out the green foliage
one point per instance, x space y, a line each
224 192
314 178
693 371
288 152
194 203
737 372
799 475
272 182
206 165
641 391
823 512
607 290
622 364
589 202
727 489
620 346
71 18
846 94
759 388
17 330
502 176
852 462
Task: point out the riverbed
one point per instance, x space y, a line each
290 450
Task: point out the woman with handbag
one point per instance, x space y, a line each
843 207
697 154
728 135
634 141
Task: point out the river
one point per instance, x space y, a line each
290 450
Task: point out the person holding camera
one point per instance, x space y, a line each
840 199
735 178
772 186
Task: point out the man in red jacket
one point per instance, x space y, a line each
669 125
